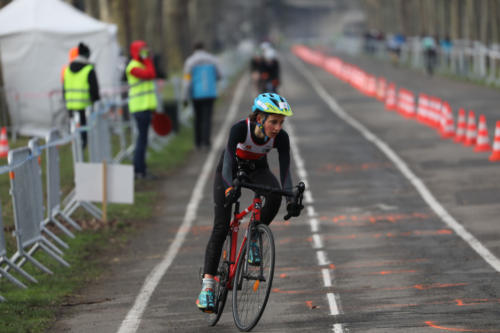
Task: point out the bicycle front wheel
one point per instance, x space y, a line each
254 278
221 283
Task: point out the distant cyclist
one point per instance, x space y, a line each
249 140
269 72
255 65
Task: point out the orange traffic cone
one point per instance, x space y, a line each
381 87
422 108
495 156
4 143
483 141
461 126
390 98
447 123
470 138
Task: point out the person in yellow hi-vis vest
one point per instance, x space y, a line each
80 86
142 100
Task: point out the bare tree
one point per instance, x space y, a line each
455 21
176 32
104 11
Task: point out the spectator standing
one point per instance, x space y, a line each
80 87
446 46
142 100
201 73
430 52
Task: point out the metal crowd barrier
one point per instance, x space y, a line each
99 136
36 153
26 187
10 264
53 180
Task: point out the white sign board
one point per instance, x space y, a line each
120 181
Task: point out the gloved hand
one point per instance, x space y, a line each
232 194
294 209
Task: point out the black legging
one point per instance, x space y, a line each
83 123
223 215
203 109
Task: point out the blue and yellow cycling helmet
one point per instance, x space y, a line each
272 103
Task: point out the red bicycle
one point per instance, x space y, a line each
249 271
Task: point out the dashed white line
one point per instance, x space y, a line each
317 242
310 209
314 224
337 328
327 279
308 197
322 259
334 309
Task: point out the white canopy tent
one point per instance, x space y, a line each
35 38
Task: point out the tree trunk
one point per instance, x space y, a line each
484 21
120 15
91 8
104 11
455 21
175 13
469 20
494 21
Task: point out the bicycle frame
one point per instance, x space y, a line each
234 226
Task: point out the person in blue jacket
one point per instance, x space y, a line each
201 73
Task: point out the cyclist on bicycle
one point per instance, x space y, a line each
269 72
249 140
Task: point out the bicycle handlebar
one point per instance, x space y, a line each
297 194
262 188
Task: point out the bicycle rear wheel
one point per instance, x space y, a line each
254 281
221 278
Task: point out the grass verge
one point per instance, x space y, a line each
34 309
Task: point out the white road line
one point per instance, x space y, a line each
133 319
327 279
314 224
334 310
322 258
424 192
310 209
308 199
337 328
317 242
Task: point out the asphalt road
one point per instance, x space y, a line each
379 248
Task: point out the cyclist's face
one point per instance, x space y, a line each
273 124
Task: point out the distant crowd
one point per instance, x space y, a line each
393 43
